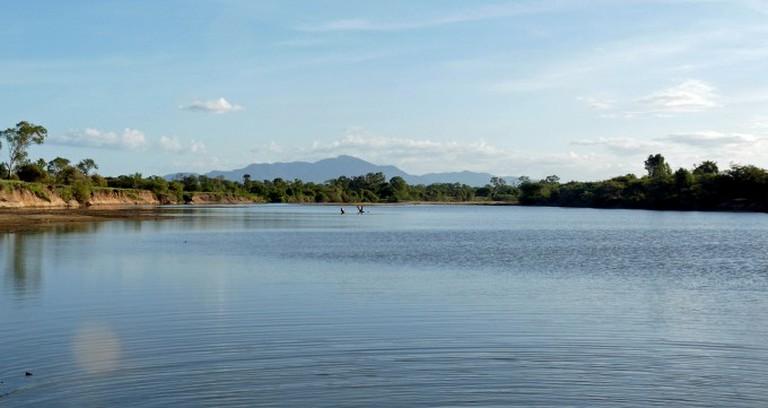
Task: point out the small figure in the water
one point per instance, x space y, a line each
360 209
342 211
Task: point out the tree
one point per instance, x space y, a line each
56 165
399 189
69 176
706 167
498 182
19 139
86 165
657 166
31 172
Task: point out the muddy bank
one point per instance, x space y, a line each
23 219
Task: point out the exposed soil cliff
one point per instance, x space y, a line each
122 197
38 196
23 198
216 198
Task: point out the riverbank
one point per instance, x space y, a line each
21 219
29 206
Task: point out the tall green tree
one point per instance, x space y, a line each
19 139
86 165
56 165
657 166
706 167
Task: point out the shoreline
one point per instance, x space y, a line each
14 220
22 219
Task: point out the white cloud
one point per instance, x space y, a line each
197 147
692 95
421 156
711 139
217 106
129 139
174 145
685 149
417 155
619 145
134 139
171 144
200 164
598 103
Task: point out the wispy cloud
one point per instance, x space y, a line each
692 95
174 145
599 103
619 145
711 139
171 144
196 147
129 139
361 143
421 156
216 106
760 6
685 149
460 16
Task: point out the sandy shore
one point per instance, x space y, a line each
16 220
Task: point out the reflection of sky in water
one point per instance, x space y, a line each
96 347
300 306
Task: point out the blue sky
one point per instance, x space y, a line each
585 90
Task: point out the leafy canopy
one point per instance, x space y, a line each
19 139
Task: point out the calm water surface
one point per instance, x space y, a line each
430 306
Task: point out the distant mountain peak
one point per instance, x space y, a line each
343 165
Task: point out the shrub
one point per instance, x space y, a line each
98 181
31 173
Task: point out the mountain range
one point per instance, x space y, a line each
327 169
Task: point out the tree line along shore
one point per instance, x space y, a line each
704 187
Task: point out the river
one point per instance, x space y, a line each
404 306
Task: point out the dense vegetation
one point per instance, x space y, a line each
705 187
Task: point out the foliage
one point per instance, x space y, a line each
39 190
56 165
657 166
86 165
32 173
742 188
19 139
705 187
81 191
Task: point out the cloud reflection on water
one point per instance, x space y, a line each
97 348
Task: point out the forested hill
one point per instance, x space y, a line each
328 169
705 187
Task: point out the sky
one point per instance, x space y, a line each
585 90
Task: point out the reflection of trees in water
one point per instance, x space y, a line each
22 255
23 263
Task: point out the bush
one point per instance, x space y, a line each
81 191
69 176
98 181
31 173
